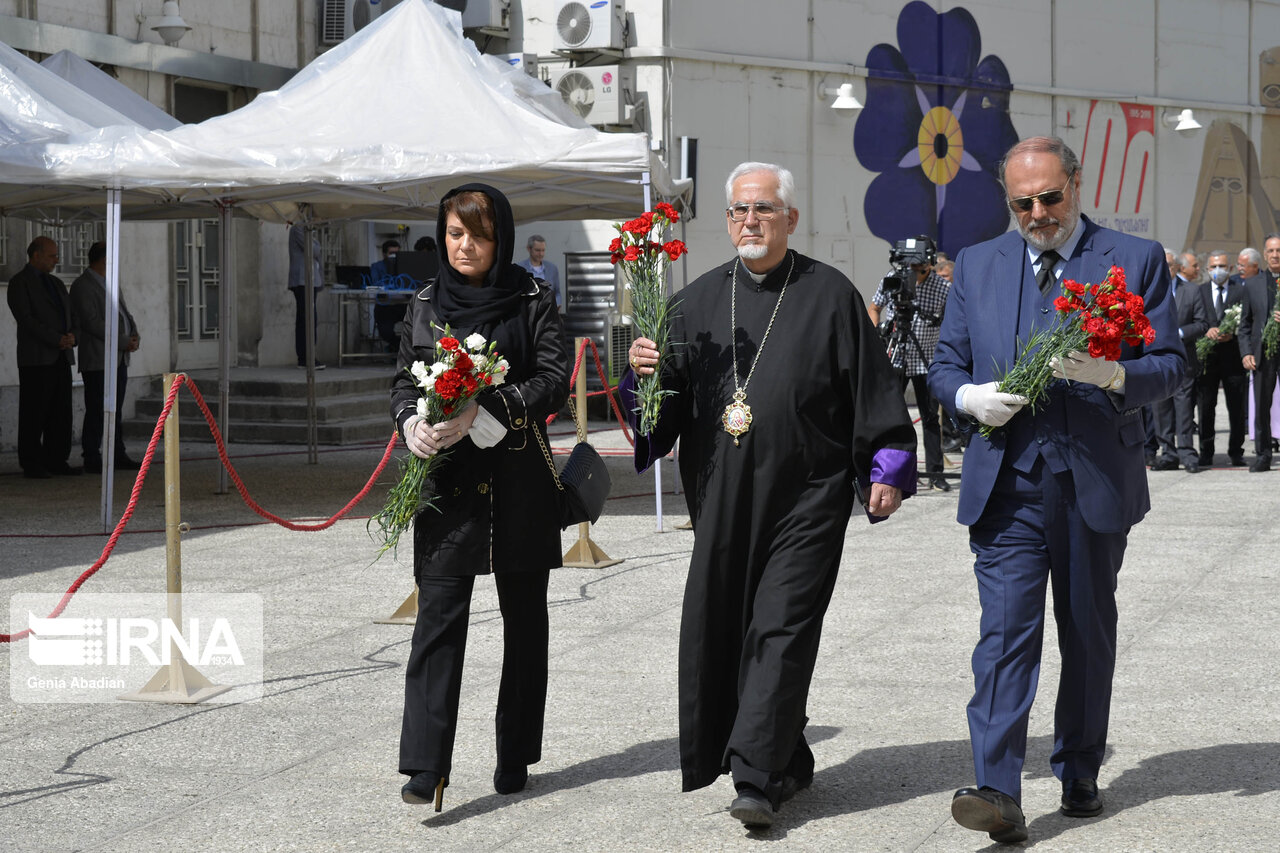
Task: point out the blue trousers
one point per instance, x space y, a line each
1030 533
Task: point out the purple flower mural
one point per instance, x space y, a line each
935 126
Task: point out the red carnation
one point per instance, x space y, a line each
633 253
674 249
449 384
463 362
616 245
668 211
449 344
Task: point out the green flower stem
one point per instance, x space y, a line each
651 314
1032 372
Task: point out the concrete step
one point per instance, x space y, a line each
269 405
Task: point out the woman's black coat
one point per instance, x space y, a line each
497 509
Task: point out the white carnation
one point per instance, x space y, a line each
419 371
475 342
436 369
422 405
479 361
500 371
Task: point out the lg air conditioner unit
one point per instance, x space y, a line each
600 94
590 25
341 19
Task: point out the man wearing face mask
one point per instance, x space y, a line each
1175 416
1221 368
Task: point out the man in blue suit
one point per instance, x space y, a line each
1054 491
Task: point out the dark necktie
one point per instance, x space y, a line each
1045 279
1218 297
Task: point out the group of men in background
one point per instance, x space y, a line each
1209 310
52 322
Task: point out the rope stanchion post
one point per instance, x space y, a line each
179 682
405 614
585 554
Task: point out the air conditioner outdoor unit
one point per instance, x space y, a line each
526 62
601 94
490 14
341 19
590 25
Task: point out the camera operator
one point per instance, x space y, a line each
907 307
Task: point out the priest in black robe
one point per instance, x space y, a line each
826 427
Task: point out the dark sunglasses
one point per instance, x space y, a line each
1048 198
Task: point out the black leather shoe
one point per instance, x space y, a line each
1237 461
37 474
1164 463
65 470
93 465
752 807
1193 468
1206 461
1262 463
425 788
987 810
939 484
510 781
1080 798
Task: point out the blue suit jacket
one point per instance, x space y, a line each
994 302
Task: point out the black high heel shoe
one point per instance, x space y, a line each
425 788
510 781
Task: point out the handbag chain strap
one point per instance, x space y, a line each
546 454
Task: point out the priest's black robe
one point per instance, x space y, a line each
769 515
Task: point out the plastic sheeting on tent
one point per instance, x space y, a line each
90 79
333 138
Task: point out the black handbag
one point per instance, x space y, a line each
583 485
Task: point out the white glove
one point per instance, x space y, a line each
989 406
1081 367
417 440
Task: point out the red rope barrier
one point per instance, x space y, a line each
222 454
253 505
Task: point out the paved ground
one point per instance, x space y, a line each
1195 746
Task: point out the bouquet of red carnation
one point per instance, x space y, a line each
462 370
1098 318
644 259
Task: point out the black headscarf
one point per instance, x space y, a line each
494 309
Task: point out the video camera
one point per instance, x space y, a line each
899 285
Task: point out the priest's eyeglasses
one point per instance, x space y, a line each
1048 198
764 210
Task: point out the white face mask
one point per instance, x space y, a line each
1218 275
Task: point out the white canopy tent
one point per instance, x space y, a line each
108 90
329 145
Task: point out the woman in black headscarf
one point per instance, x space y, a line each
496 503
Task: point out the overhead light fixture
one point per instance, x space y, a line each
171 27
843 95
1183 122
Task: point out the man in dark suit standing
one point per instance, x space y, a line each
1221 368
1259 304
46 339
1054 491
1176 415
89 302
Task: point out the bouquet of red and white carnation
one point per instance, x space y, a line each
643 260
460 372
1098 318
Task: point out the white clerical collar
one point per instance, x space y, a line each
1064 251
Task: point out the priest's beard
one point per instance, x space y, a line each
753 251
1066 227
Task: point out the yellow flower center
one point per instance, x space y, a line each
941 145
